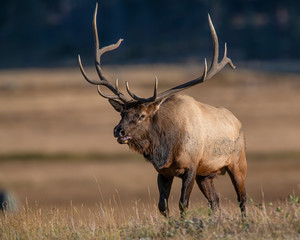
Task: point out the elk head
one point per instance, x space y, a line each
136 120
138 113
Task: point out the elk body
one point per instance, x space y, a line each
178 135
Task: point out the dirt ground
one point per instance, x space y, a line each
54 111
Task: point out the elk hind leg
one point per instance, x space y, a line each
206 185
237 172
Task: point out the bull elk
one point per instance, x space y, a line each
178 135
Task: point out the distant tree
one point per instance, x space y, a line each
52 32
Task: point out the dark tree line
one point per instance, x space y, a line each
53 32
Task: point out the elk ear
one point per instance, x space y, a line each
153 107
117 105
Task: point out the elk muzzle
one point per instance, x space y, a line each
120 134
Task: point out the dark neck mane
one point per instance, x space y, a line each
159 145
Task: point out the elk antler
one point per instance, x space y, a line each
98 53
214 68
143 100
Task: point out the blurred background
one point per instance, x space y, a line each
56 141
51 33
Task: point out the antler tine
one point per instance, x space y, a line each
84 73
120 94
214 68
155 88
98 53
94 82
228 59
144 100
105 95
117 96
184 85
117 85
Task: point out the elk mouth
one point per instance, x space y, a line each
124 140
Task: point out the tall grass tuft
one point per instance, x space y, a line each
280 220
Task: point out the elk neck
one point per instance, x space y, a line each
162 143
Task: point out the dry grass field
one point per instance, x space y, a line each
57 154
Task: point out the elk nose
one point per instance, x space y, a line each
119 131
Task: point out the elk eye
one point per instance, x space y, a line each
142 117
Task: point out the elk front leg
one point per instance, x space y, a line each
164 187
188 180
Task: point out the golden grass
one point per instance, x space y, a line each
264 221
